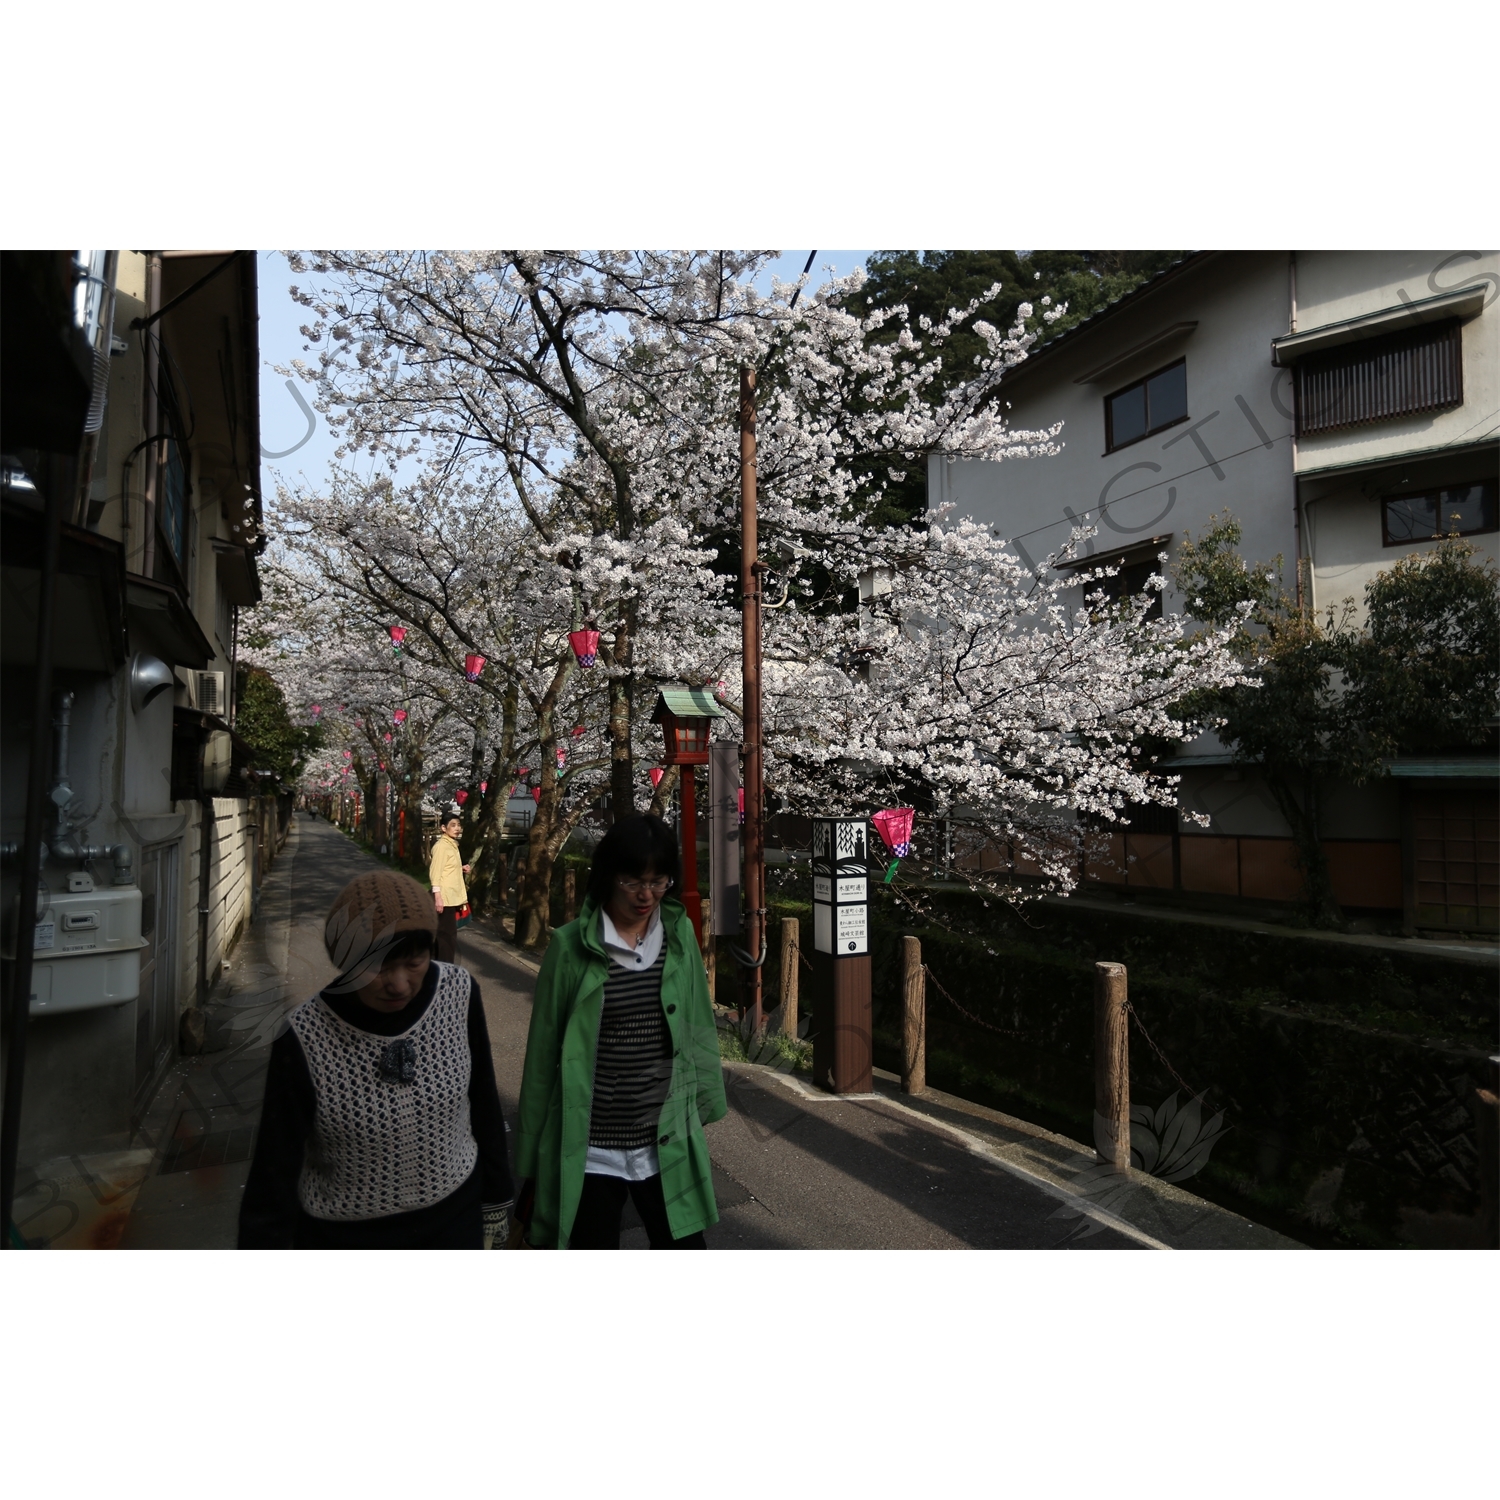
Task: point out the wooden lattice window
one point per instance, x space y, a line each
1396 376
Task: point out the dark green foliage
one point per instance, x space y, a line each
262 721
1333 700
931 283
1425 675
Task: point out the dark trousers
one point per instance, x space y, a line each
597 1226
447 935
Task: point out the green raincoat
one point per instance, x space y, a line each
557 1085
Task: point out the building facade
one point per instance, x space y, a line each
155 836
1343 406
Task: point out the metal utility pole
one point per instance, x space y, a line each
754 832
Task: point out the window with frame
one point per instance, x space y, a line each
1457 510
1156 402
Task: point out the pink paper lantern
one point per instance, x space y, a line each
585 644
387 737
484 786
894 826
348 755
562 755
577 730
473 666
522 771
656 773
742 804
461 796
317 708
536 794
398 634
399 716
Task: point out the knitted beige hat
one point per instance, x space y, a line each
369 917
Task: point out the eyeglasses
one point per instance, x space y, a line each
657 887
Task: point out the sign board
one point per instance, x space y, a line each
840 866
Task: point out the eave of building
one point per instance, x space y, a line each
1042 357
1465 302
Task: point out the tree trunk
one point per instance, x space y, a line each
663 794
1301 815
621 709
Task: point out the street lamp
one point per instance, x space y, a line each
686 716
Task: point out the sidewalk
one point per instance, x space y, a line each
793 1168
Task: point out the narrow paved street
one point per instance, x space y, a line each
792 1168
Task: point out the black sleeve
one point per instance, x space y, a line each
485 1118
269 1208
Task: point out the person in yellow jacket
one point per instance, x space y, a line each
445 874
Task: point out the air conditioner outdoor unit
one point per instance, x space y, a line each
209 693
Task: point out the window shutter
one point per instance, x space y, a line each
1390 377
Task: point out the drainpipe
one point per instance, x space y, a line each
1291 276
151 350
205 870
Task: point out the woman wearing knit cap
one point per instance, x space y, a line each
622 1060
381 1127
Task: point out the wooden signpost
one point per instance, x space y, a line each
843 1019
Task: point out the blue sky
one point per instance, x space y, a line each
285 425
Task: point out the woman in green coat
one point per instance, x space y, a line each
622 1060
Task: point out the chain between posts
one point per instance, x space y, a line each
1001 1030
1161 1056
1130 1010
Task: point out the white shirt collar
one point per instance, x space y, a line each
622 953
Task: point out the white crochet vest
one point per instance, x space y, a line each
379 1146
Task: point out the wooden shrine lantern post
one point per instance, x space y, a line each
685 716
843 1019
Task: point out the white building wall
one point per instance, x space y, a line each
1239 410
1343 514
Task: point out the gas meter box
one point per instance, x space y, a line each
88 950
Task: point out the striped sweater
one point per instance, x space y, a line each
633 1066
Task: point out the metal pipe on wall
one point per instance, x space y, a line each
151 352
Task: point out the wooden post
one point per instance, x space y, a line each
791 958
1487 1121
570 893
753 836
1111 1066
913 1018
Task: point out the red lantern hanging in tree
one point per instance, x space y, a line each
461 796
656 773
473 666
399 716
536 794
893 824
388 737
577 730
522 771
585 644
562 756
398 634
317 708
484 786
